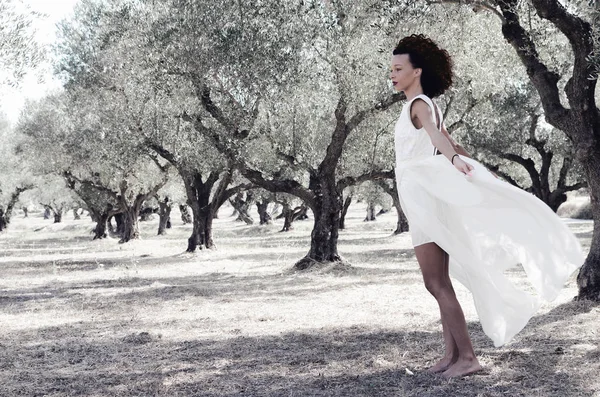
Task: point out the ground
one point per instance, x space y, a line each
98 318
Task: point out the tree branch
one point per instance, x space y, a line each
285 186
577 186
164 153
477 5
579 34
380 106
369 176
545 81
70 177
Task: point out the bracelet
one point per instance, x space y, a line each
452 159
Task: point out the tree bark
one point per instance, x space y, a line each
288 217
185 214
345 207
198 195
3 222
370 212
101 219
6 214
588 278
402 223
262 206
131 226
58 216
119 224
202 229
326 208
243 206
164 214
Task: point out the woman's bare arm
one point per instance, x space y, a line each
423 113
458 148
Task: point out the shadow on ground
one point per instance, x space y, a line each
77 360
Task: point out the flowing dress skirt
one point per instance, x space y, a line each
488 227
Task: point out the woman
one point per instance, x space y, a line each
465 222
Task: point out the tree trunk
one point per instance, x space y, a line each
588 278
288 217
185 214
370 212
120 224
402 223
164 214
57 216
324 237
101 219
131 228
76 215
262 206
5 214
25 212
3 222
345 207
242 206
202 229
198 194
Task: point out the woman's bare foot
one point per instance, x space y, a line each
462 367
443 364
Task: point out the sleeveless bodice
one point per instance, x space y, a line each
412 143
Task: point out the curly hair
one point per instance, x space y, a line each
435 63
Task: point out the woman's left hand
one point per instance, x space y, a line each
462 166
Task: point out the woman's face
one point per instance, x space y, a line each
402 73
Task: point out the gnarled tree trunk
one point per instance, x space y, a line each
262 206
588 278
131 226
185 214
5 214
164 213
326 207
242 206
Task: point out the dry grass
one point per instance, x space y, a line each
83 318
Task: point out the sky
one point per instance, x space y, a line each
12 99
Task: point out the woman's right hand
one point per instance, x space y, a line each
462 166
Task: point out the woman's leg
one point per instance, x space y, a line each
432 260
451 349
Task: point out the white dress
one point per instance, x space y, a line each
487 227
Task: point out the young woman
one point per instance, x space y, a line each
466 222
